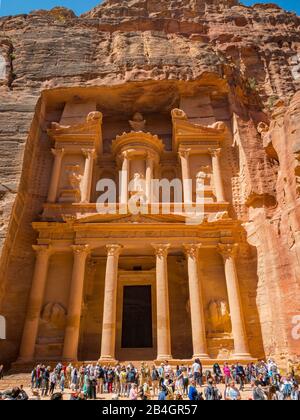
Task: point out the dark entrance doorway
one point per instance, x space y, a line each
137 317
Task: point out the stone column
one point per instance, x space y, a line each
186 177
217 173
196 302
87 175
162 297
108 343
241 348
35 303
75 302
149 177
55 176
124 179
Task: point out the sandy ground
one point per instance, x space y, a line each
246 394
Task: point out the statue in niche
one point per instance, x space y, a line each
74 177
54 314
138 183
202 179
138 123
219 317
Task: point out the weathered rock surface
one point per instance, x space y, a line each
156 52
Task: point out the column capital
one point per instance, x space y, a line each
161 250
114 250
215 152
192 250
58 152
42 249
228 250
184 153
150 156
81 249
89 153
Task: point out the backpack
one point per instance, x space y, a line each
131 376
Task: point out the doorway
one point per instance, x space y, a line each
137 317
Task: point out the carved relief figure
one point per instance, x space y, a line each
55 314
138 123
219 317
94 116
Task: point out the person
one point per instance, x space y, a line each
240 375
53 382
287 388
58 396
295 395
211 392
100 379
131 377
163 393
74 379
232 393
110 379
154 380
217 372
227 373
45 382
68 375
93 388
193 393
62 381
272 395
1 372
197 372
145 373
161 371
133 394
258 392
123 381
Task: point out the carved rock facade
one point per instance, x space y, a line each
175 89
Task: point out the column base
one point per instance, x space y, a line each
201 356
163 358
107 360
70 359
24 360
241 356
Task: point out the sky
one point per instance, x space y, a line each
12 7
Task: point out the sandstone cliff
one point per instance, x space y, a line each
249 54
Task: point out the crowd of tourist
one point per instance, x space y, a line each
162 382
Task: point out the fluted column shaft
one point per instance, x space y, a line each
241 347
108 343
87 175
35 303
55 176
124 179
186 177
163 307
217 173
196 302
72 330
149 177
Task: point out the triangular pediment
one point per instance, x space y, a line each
131 218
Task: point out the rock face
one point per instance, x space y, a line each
217 60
